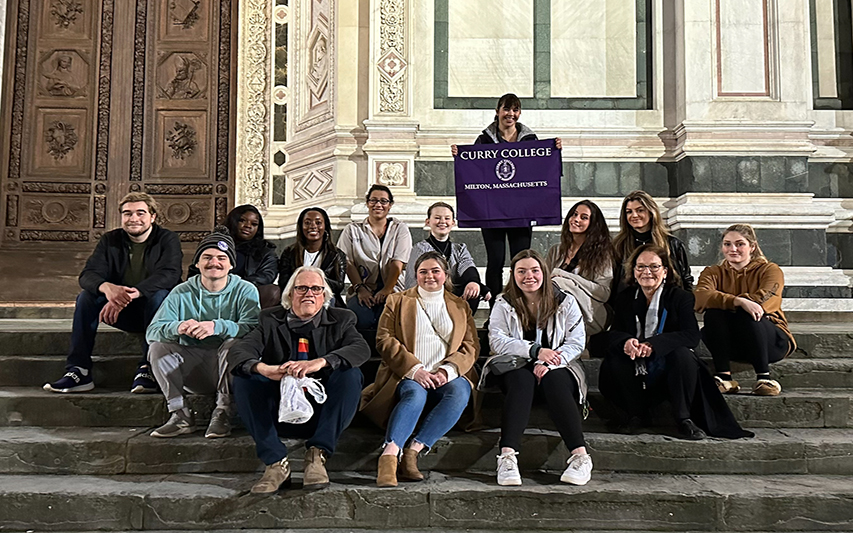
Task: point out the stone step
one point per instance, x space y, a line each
28 406
51 336
109 451
610 501
116 372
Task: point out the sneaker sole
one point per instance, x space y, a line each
216 435
139 389
510 483
573 481
183 431
78 388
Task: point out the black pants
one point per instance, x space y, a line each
474 303
495 241
676 382
561 396
736 336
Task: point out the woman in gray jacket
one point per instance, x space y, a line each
536 335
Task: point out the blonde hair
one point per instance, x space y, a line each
624 241
749 234
439 258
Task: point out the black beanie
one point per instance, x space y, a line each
221 240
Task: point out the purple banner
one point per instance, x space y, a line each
508 185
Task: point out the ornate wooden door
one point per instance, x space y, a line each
104 97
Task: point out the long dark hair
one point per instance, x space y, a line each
515 296
328 248
596 253
509 101
232 222
624 241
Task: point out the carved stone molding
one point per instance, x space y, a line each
104 73
182 190
192 236
314 184
19 90
99 216
136 123
61 188
315 62
65 13
392 63
12 210
54 236
182 140
39 212
182 76
253 102
392 173
186 213
60 138
223 128
221 210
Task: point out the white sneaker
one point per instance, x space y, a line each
508 474
579 470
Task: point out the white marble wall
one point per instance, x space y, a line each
825 38
742 48
593 49
490 47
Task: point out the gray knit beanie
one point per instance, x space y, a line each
221 240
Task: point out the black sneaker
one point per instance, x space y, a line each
75 380
143 382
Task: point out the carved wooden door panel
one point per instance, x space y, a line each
104 97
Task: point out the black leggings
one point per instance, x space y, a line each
736 336
495 241
619 383
561 396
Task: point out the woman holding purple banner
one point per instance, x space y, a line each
505 129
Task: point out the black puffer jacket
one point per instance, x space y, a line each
108 262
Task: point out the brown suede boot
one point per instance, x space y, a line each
409 466
315 476
386 475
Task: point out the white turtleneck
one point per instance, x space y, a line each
430 349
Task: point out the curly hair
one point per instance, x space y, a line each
596 253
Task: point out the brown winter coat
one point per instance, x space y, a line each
760 281
395 342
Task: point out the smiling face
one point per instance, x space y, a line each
737 250
213 264
136 219
579 220
508 117
313 226
528 276
440 222
379 204
307 304
649 271
247 226
431 276
638 216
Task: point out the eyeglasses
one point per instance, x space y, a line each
651 268
302 289
381 201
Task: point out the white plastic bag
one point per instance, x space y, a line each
295 407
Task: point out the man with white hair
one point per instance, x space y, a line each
302 337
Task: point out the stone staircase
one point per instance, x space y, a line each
85 462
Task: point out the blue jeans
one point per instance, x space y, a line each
445 403
366 317
134 318
257 399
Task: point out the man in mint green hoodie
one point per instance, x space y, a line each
192 332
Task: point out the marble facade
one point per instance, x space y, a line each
714 104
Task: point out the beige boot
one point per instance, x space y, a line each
408 469
275 476
386 475
316 476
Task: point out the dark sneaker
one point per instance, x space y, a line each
220 424
143 382
178 424
690 431
75 380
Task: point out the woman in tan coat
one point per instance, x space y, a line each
742 301
428 343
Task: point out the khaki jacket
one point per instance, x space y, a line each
395 342
760 281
